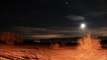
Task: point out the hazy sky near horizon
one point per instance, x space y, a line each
57 14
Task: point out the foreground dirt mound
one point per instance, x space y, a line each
17 53
55 46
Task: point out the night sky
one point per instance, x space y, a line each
55 15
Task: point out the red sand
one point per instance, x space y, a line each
84 51
46 53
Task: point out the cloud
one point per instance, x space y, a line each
75 17
48 36
95 14
99 31
27 30
45 33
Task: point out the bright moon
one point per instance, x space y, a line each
83 26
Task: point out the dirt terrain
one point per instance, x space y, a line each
88 48
42 52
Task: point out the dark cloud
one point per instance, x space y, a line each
75 17
31 32
96 13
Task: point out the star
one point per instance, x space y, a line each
66 2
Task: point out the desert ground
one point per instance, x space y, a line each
45 52
87 49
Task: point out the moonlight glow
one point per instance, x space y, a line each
83 26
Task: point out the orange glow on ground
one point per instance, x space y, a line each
88 49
